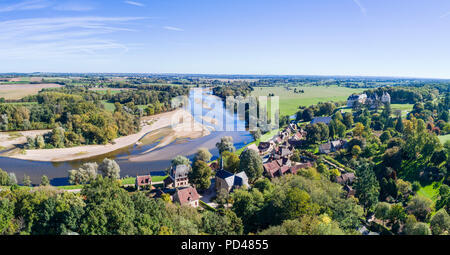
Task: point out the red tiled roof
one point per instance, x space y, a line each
297 167
143 180
284 169
187 195
271 167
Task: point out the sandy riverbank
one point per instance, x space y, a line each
186 128
9 140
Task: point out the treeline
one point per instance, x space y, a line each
73 119
104 208
401 95
232 90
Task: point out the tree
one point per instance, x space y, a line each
385 136
85 174
225 144
399 127
367 186
231 161
420 229
356 150
180 160
40 142
359 129
348 120
203 154
251 164
26 181
110 169
444 198
6 216
45 181
109 209
298 203
382 211
12 179
4 178
440 222
200 175
256 134
308 114
420 207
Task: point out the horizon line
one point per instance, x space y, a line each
231 74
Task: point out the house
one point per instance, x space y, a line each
356 98
187 196
346 179
228 181
265 147
325 120
295 168
143 181
178 177
332 146
271 168
280 167
376 101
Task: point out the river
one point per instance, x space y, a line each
155 161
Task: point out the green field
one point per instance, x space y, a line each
405 108
444 138
431 191
108 106
290 101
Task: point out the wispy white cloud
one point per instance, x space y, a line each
73 6
361 7
42 4
25 5
173 28
445 15
135 3
62 37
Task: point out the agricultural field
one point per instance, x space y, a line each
290 101
18 91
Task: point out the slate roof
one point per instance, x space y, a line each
181 171
325 120
233 180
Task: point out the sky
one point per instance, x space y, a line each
402 38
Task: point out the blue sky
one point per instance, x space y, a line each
310 37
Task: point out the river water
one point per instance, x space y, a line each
201 103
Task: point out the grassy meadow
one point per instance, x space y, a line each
290 101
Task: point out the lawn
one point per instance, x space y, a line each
405 108
125 181
444 138
431 191
264 138
290 101
109 106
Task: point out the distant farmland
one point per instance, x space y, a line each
18 91
290 101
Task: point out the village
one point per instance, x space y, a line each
276 156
